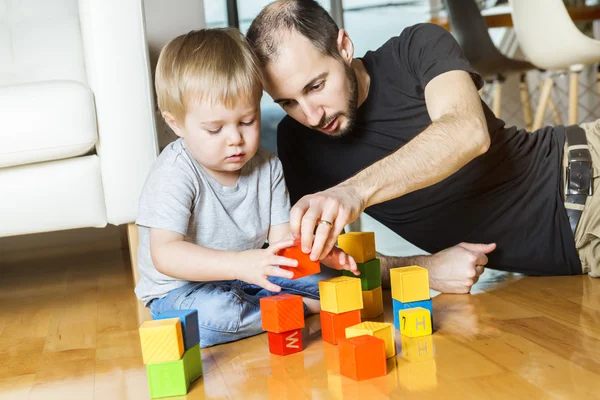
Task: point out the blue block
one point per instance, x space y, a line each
189 325
398 305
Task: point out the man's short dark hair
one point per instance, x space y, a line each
305 17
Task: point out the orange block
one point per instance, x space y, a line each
285 343
305 267
333 326
362 357
282 313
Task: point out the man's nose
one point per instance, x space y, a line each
314 114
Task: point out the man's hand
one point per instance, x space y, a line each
338 206
456 269
338 259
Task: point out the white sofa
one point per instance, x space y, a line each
77 122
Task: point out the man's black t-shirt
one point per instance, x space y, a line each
510 195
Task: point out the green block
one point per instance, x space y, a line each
370 274
175 377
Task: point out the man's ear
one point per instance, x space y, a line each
172 122
345 46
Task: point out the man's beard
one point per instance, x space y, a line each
350 114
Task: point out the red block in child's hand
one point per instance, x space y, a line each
305 265
285 343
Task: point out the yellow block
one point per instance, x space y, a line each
418 349
340 294
382 330
415 322
360 245
373 303
162 340
410 283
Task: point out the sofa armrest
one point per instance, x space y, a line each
118 72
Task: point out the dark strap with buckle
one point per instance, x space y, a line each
578 179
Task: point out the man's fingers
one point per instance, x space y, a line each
296 214
338 227
321 237
479 247
309 221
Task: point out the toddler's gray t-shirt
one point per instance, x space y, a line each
180 196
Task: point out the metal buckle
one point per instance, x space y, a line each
582 190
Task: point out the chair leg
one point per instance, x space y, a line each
525 102
573 96
598 78
554 112
497 104
143 313
543 104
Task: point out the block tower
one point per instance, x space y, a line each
171 352
283 319
341 303
411 301
361 246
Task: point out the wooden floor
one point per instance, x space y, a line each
68 330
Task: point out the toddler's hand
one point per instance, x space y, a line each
338 259
257 265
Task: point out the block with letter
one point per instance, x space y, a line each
161 340
174 378
415 322
340 294
418 349
281 313
381 330
370 274
333 326
305 267
360 245
372 303
398 305
285 343
410 284
362 357
189 325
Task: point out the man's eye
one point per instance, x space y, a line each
318 86
285 104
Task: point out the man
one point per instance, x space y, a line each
403 135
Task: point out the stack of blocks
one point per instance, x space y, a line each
283 319
411 301
361 246
171 352
341 303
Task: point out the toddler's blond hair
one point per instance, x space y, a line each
209 65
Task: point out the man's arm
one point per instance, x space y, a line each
457 135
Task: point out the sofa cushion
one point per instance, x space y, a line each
45 121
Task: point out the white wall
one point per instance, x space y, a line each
165 19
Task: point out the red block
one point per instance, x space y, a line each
282 313
362 357
333 326
305 265
285 343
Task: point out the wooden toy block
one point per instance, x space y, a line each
415 322
360 245
370 274
373 303
362 357
333 326
174 378
398 305
285 343
418 349
382 330
282 313
189 325
410 284
161 340
305 267
340 294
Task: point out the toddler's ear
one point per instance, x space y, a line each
172 122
